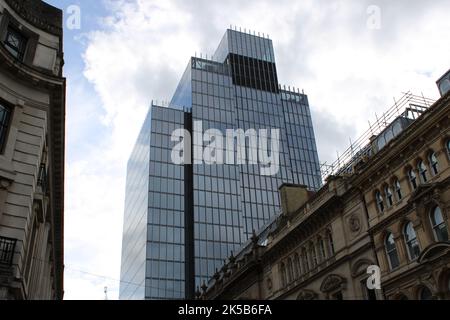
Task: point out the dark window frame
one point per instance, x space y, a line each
447 145
398 189
440 230
32 39
425 293
412 176
434 163
380 201
389 196
391 251
422 168
18 51
5 123
330 243
411 240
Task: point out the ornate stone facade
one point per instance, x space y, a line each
392 211
32 130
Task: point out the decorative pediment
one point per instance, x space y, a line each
360 267
332 282
434 251
307 295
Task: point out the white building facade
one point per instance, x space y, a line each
32 130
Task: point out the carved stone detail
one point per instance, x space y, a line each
332 282
38 13
354 223
307 295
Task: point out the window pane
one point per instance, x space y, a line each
15 43
425 294
391 251
4 123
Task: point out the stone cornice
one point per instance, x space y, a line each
39 14
22 71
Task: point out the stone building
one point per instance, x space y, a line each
406 187
388 207
32 125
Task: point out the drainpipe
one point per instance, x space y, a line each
366 211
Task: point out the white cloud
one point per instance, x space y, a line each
143 46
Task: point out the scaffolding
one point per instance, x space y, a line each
409 106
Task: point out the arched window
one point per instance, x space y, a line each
391 251
297 268
411 241
422 171
379 200
330 242
401 296
425 294
389 196
448 148
434 163
290 273
438 224
323 254
305 261
312 255
283 275
448 284
398 189
412 179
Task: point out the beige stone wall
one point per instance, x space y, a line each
25 208
347 264
415 206
21 160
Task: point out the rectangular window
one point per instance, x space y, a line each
15 43
5 115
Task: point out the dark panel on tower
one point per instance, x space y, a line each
253 73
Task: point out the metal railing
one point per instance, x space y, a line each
409 106
7 248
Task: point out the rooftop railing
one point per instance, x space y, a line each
409 106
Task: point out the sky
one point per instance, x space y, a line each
352 59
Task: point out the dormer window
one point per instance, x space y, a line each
15 43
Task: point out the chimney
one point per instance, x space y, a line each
292 197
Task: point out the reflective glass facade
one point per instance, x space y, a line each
132 271
188 237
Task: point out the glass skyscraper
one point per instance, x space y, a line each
182 221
